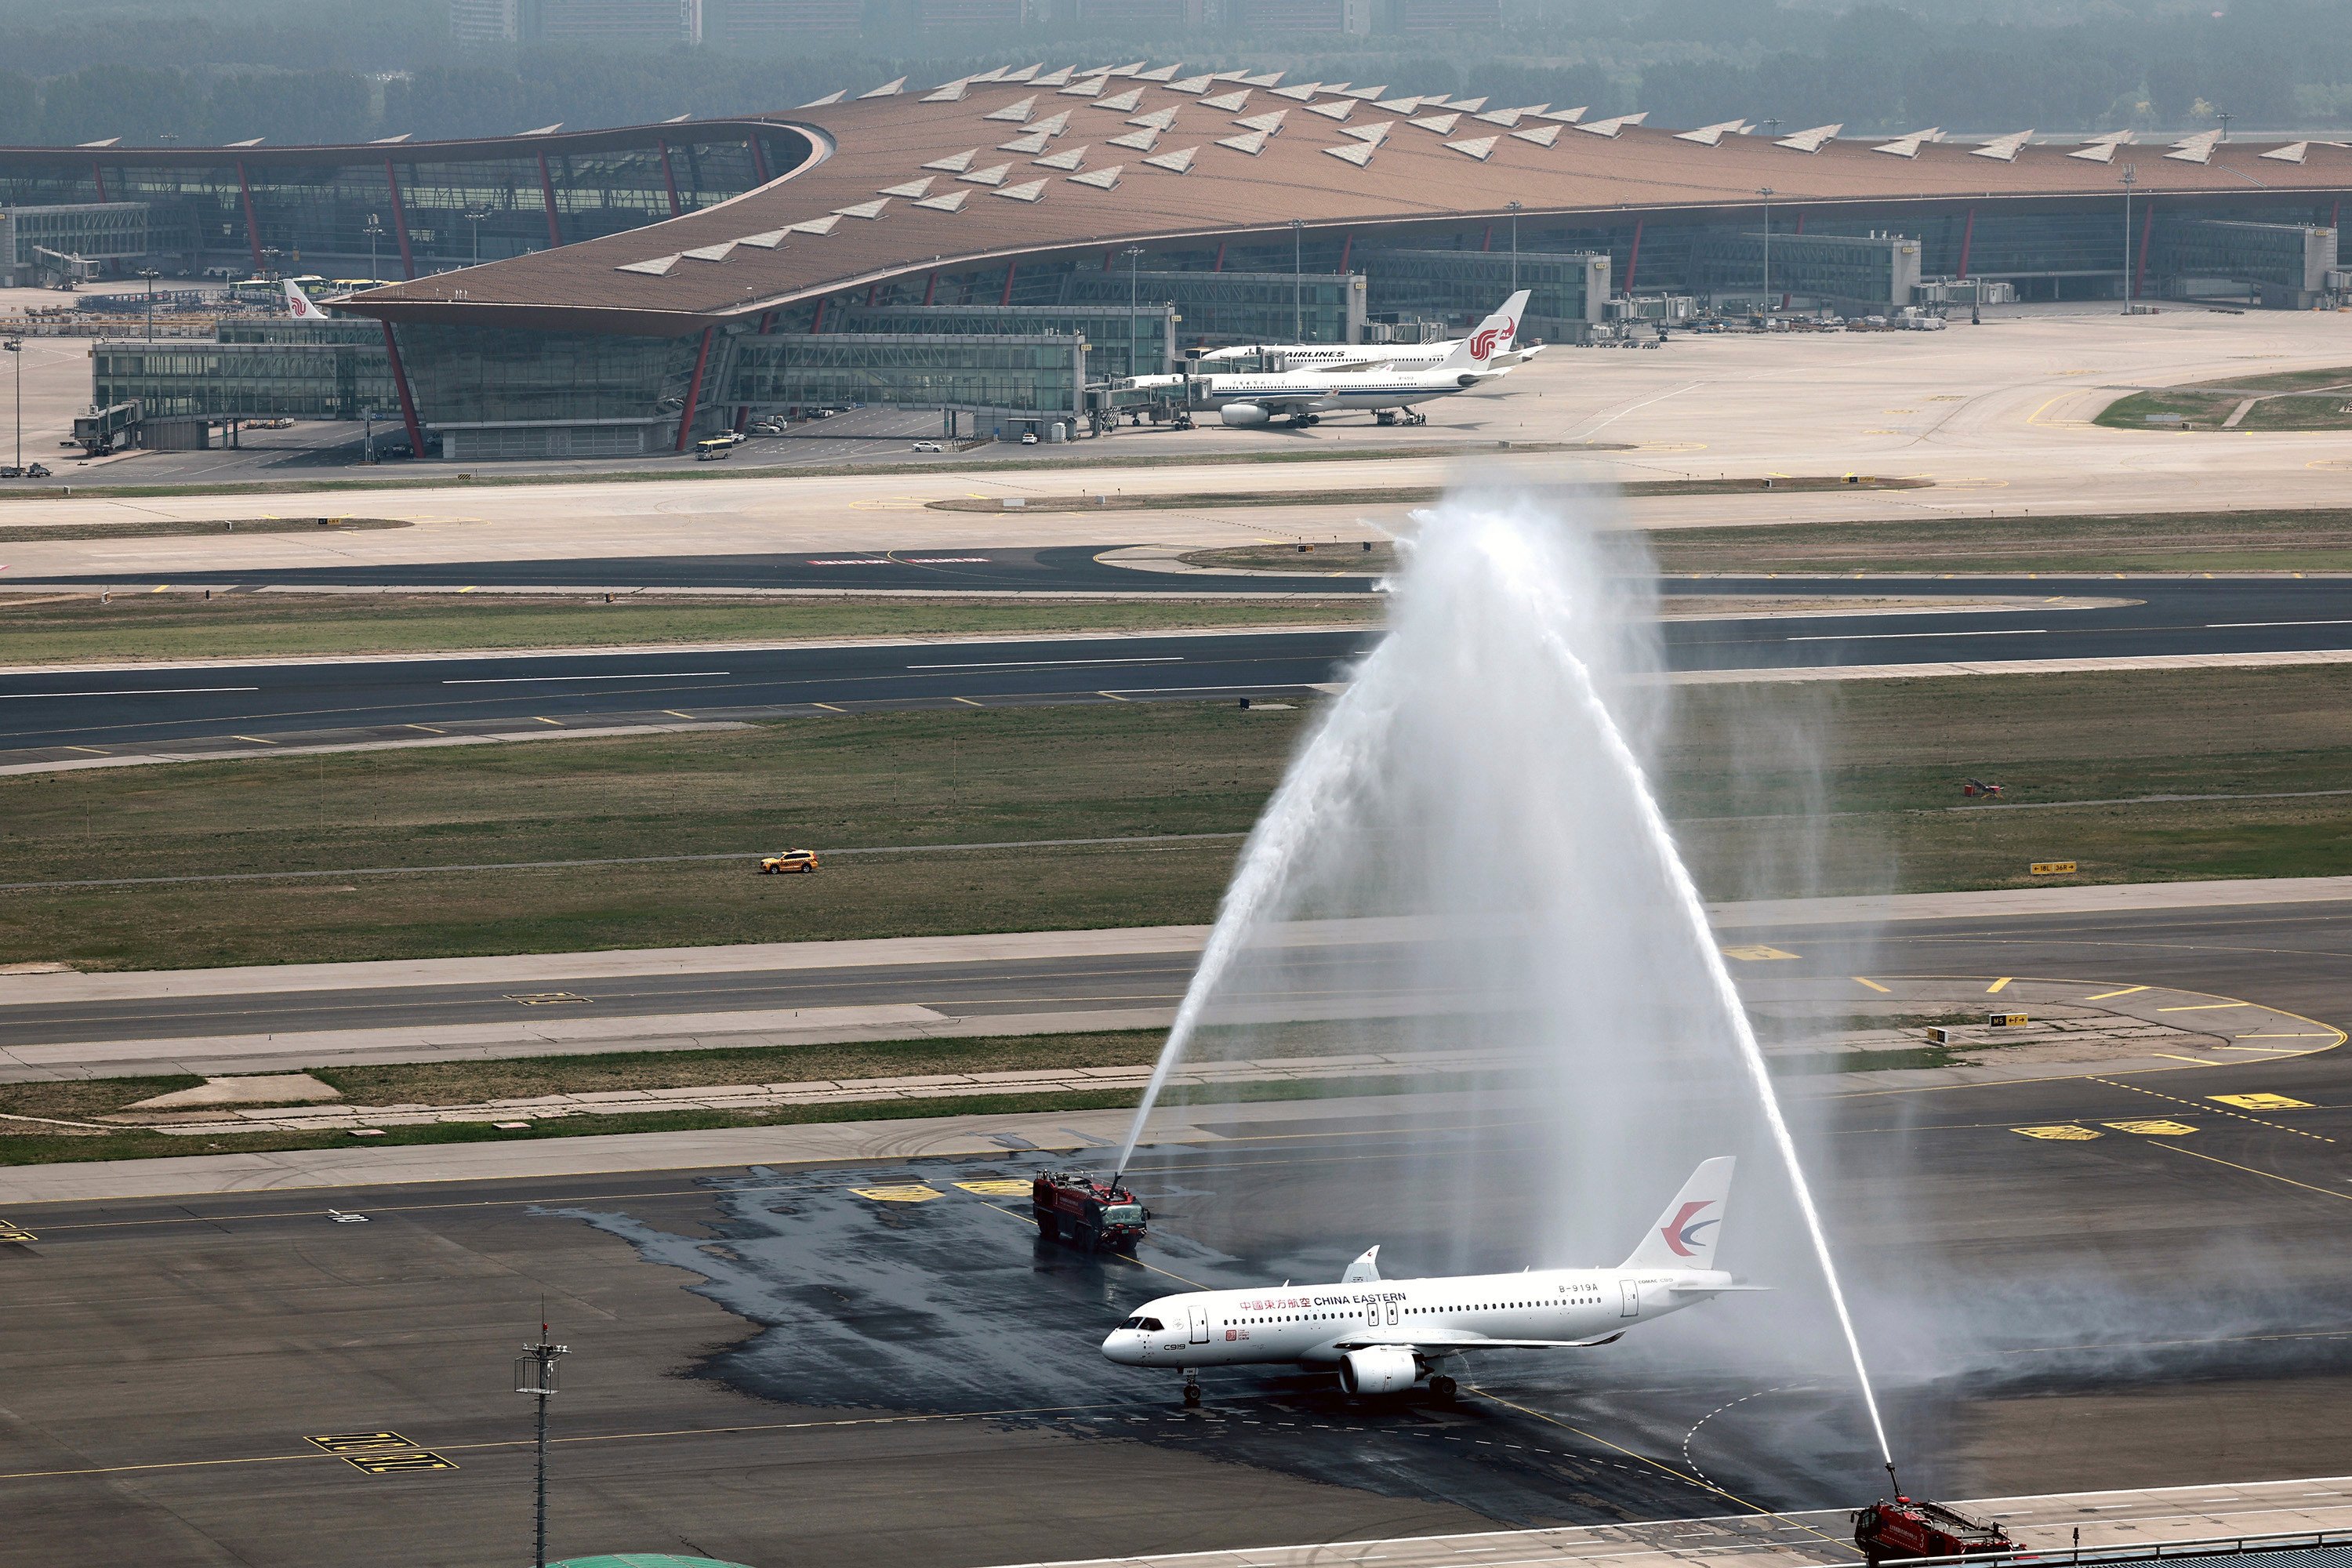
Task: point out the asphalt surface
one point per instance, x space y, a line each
770 1365
63 715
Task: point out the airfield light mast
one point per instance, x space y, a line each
534 1373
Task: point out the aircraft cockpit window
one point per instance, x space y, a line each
1148 1325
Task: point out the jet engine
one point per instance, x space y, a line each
1251 413
1379 1369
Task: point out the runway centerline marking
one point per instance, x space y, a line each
1048 663
131 692
1900 637
2236 625
542 680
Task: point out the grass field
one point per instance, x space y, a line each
2308 541
1777 791
2292 400
78 629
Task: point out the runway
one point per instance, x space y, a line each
206 709
778 1363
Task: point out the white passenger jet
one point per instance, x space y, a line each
1385 1336
1506 352
301 306
1304 396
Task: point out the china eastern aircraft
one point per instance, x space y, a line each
1383 1336
1504 325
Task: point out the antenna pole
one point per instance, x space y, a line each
535 1375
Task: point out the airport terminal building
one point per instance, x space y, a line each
1005 246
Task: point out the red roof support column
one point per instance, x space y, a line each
1107 255
1968 239
1347 248
817 322
1012 270
1220 264
407 404
1633 260
1487 244
930 286
669 180
547 189
252 229
98 174
399 220
694 389
759 157
2139 273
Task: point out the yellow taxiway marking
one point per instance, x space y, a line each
2205 1007
93 751
1998 986
13 1233
557 722
1114 696
675 714
2286 1035
2154 1129
999 1187
2290 1181
257 739
358 1442
1700 1481
2176 1057
828 707
2127 991
1874 985
1755 953
2059 1134
912 1193
2194 1105
966 701
428 729
2261 1101
159 587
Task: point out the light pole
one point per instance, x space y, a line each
150 274
535 1375
2225 120
1766 191
374 231
477 218
16 347
2131 178
1514 207
1297 280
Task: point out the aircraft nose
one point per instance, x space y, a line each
1124 1346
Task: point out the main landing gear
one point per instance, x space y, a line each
1442 1389
1191 1390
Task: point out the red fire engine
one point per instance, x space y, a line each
1907 1528
1073 1207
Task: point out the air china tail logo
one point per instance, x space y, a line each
1682 1231
1482 346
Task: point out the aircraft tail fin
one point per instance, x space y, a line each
1684 1236
1491 338
1364 1270
300 305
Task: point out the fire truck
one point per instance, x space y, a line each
1073 1207
1907 1528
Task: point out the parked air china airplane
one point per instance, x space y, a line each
1504 323
1303 396
300 305
1383 1336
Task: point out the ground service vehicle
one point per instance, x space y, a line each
802 861
1072 1206
1906 1528
1972 788
716 447
928 447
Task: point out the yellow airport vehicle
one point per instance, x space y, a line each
790 861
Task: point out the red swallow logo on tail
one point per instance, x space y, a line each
1682 1231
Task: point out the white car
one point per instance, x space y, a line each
928 447
1028 437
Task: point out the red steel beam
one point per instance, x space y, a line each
694 389
399 222
407 403
252 228
1968 239
547 190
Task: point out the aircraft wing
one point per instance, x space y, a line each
1710 1289
1449 1340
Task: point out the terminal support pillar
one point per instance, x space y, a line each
1634 261
759 157
669 180
1800 228
694 391
1011 268
930 287
400 224
1967 237
1219 266
2139 270
1347 248
252 229
98 175
547 190
1487 244
407 404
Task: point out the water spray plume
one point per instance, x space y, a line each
1479 789
1503 548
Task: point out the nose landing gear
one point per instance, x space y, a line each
1191 1390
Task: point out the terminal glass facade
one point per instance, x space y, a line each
1566 292
246 381
1043 375
1119 343
489 375
1216 308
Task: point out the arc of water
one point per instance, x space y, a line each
1313 789
1693 911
